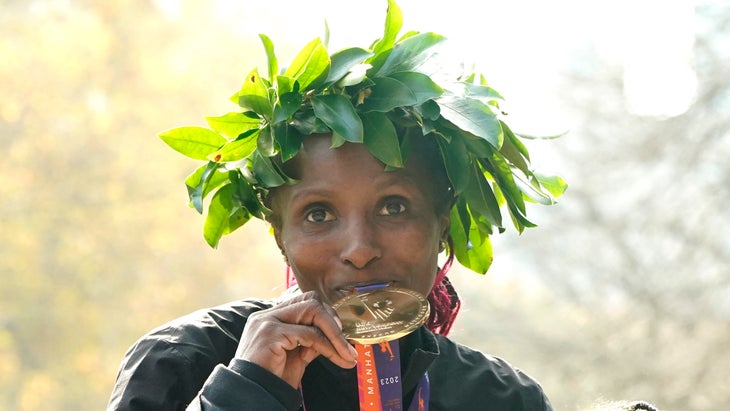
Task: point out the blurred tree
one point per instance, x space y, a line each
93 251
635 259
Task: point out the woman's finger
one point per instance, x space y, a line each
313 313
300 321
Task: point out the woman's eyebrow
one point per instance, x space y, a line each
304 193
408 184
390 179
383 182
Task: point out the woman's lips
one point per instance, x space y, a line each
351 288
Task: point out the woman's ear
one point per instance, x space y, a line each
445 225
277 238
274 221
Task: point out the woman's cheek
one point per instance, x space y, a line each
308 260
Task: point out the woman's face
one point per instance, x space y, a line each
348 223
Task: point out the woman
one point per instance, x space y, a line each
348 216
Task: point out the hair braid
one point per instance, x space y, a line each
445 303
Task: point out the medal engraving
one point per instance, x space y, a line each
381 315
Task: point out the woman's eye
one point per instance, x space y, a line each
393 208
318 215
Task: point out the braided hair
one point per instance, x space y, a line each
445 303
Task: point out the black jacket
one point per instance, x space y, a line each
190 362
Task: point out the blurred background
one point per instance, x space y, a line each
623 292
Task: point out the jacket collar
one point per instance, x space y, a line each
418 351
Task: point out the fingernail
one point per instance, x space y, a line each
353 350
339 322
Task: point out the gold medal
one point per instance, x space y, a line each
380 315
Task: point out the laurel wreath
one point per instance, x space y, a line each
364 96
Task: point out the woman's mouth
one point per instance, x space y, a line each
365 286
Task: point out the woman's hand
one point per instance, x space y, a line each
285 338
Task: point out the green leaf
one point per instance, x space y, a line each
498 194
326 40
387 94
430 110
476 145
286 85
469 78
344 60
237 149
288 104
482 92
237 219
307 123
337 141
428 127
194 142
337 112
265 142
273 64
512 152
460 213
219 212
472 247
201 187
483 225
409 54
233 124
408 34
480 197
266 172
480 255
502 173
381 139
472 116
245 195
310 66
548 137
421 85
407 117
519 220
459 234
254 95
514 140
455 158
234 98
288 139
377 62
532 191
393 24
554 184
202 181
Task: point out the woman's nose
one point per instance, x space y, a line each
359 245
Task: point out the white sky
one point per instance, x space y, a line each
521 45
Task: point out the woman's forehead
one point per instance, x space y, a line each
324 171
318 155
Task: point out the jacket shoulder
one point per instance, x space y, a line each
464 378
170 364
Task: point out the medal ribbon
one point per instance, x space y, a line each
379 378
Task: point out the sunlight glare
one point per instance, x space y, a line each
659 79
